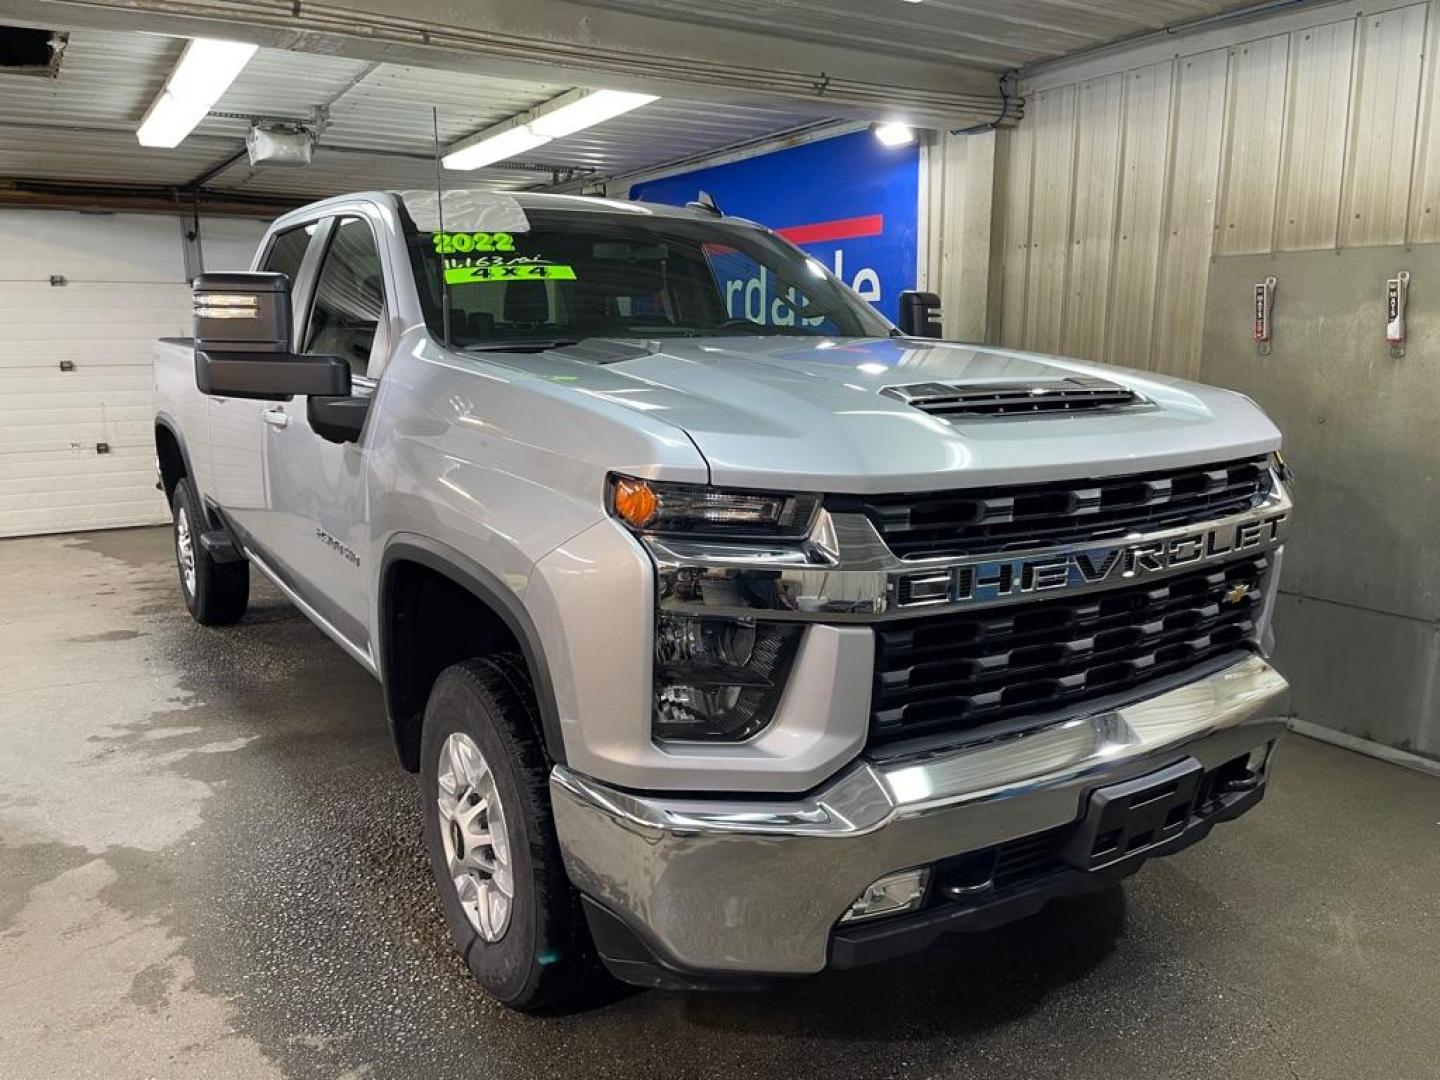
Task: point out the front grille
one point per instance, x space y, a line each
956 672
950 523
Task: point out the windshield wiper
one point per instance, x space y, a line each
520 346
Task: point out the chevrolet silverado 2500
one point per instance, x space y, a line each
731 636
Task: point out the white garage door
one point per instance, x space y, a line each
82 299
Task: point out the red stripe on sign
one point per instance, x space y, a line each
841 229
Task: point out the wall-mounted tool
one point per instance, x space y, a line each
1264 305
1397 289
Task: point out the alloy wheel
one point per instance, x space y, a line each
185 548
477 845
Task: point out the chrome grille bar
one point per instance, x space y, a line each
844 571
936 524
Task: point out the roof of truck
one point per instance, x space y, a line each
542 201
525 200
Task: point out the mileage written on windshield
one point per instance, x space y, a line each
476 257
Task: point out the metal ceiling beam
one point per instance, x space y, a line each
140 198
568 43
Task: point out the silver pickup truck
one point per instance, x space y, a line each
733 632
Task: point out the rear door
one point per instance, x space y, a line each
319 513
237 425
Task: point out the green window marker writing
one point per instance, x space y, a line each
466 275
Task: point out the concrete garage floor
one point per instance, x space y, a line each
210 866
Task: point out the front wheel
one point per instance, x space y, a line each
511 910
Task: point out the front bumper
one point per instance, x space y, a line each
688 890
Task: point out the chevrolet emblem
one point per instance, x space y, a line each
1236 593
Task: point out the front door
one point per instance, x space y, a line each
318 509
237 430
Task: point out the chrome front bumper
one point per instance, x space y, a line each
715 886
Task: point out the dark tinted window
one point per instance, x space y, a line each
287 251
349 297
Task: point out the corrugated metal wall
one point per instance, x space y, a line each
1142 197
1117 189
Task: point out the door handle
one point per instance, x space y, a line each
276 417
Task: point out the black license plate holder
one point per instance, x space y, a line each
1134 817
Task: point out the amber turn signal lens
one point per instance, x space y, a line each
635 502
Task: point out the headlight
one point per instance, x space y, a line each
719 679
654 507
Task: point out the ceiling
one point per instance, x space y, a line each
994 34
80 126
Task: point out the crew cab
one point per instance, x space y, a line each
733 632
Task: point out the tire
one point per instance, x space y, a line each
478 745
216 594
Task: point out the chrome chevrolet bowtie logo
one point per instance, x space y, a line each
999 579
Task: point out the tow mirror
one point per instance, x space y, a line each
242 342
920 314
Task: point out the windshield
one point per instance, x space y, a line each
574 275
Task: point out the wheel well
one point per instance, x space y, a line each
172 460
430 622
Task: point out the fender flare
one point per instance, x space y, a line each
166 421
489 590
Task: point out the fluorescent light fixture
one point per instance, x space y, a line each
492 146
206 69
586 111
557 118
894 133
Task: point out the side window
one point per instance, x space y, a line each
349 297
287 252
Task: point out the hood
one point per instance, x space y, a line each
809 414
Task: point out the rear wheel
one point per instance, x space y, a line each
215 593
511 910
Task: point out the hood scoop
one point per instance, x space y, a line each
1075 393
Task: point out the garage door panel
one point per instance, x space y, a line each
62 489
230 243
50 466
80 324
114 357
34 521
36 311
61 409
88 432
112 247
132 492
49 381
124 287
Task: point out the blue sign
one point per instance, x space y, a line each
848 201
